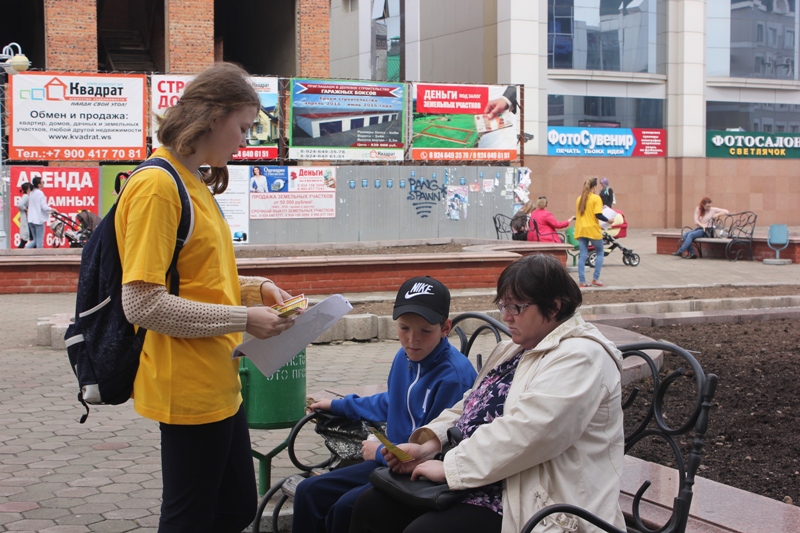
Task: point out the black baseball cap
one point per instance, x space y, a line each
425 297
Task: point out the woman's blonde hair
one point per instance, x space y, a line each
541 203
213 94
527 208
588 185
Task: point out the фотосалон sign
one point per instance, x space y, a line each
752 144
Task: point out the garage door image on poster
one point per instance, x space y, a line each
347 120
465 122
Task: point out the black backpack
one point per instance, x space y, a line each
103 347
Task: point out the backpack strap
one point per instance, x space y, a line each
186 224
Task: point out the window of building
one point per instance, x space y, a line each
604 111
607 35
751 116
751 39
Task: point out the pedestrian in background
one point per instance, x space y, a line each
22 205
589 210
545 223
607 193
38 213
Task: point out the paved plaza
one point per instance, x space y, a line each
57 476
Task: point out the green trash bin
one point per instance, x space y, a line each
575 252
277 401
274 402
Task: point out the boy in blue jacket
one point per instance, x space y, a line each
428 375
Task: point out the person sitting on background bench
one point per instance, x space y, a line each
427 376
542 425
546 223
519 222
703 214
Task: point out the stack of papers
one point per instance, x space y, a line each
291 306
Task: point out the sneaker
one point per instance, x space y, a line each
598 283
677 253
584 284
693 256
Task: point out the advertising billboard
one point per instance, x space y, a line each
292 192
606 142
264 134
752 144
68 190
77 117
346 120
465 122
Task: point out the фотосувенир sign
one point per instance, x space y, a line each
606 142
752 144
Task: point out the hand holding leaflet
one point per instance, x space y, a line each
271 354
402 456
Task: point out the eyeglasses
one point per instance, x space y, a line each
513 309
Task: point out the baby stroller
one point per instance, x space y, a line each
617 230
77 231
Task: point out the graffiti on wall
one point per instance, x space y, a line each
424 195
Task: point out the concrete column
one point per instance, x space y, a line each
70 35
686 78
522 59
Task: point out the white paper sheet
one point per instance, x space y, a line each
272 353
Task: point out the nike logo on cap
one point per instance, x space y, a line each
419 289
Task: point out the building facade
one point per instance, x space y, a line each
718 76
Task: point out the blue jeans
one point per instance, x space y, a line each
583 245
324 504
36 235
691 236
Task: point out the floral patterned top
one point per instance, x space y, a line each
483 405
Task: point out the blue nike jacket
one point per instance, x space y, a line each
418 393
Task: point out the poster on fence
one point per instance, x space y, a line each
68 190
264 134
292 192
464 122
77 117
235 203
347 120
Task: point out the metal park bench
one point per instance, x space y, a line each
502 226
734 231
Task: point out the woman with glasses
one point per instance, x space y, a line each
703 215
542 425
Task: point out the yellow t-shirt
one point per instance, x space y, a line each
586 225
181 381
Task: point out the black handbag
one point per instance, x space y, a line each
422 494
342 435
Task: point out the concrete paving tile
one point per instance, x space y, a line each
93 508
153 484
140 503
29 525
146 493
66 529
46 513
114 526
18 506
62 502
120 487
126 514
89 482
76 492
10 491
101 497
132 478
7 518
80 519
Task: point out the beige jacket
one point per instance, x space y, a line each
560 439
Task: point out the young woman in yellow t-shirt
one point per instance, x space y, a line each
589 209
187 380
